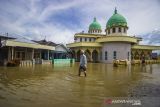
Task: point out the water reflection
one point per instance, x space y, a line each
143 68
59 85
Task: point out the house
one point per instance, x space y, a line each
22 49
61 54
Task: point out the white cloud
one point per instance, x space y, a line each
142 17
54 8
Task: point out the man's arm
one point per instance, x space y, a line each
85 60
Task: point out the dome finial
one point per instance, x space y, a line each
94 19
115 11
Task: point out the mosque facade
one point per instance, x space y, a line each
115 44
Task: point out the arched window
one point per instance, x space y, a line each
108 31
85 39
80 39
114 30
119 30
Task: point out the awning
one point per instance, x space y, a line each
27 45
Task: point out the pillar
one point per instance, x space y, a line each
9 53
99 56
33 54
91 59
133 55
110 31
48 55
116 28
12 57
40 54
25 54
122 30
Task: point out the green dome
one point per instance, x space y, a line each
95 25
116 20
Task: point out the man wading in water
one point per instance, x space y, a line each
83 64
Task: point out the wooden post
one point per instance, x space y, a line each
40 54
48 54
26 54
91 57
9 53
33 54
12 53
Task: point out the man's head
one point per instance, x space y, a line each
82 51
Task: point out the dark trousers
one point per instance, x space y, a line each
82 69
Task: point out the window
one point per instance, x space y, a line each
85 39
114 55
100 55
20 55
106 55
114 30
90 39
119 30
108 31
75 38
128 55
124 30
80 39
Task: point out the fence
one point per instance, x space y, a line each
63 61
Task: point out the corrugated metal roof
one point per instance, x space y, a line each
4 36
24 40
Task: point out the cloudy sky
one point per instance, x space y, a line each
59 20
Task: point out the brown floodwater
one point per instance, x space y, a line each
59 85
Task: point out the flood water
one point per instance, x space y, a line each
59 85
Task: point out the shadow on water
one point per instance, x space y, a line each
59 85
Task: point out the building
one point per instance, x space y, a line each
60 52
23 50
114 44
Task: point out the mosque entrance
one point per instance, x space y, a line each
88 55
95 56
78 55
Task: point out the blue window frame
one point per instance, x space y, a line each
114 55
128 55
106 55
80 39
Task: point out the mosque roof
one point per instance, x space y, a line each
116 20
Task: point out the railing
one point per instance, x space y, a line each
46 61
33 62
134 62
146 61
27 63
63 61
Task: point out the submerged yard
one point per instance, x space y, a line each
59 86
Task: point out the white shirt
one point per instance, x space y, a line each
83 60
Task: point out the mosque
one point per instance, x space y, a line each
114 44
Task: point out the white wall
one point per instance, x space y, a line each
121 49
122 33
83 39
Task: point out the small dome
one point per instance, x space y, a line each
94 25
116 20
